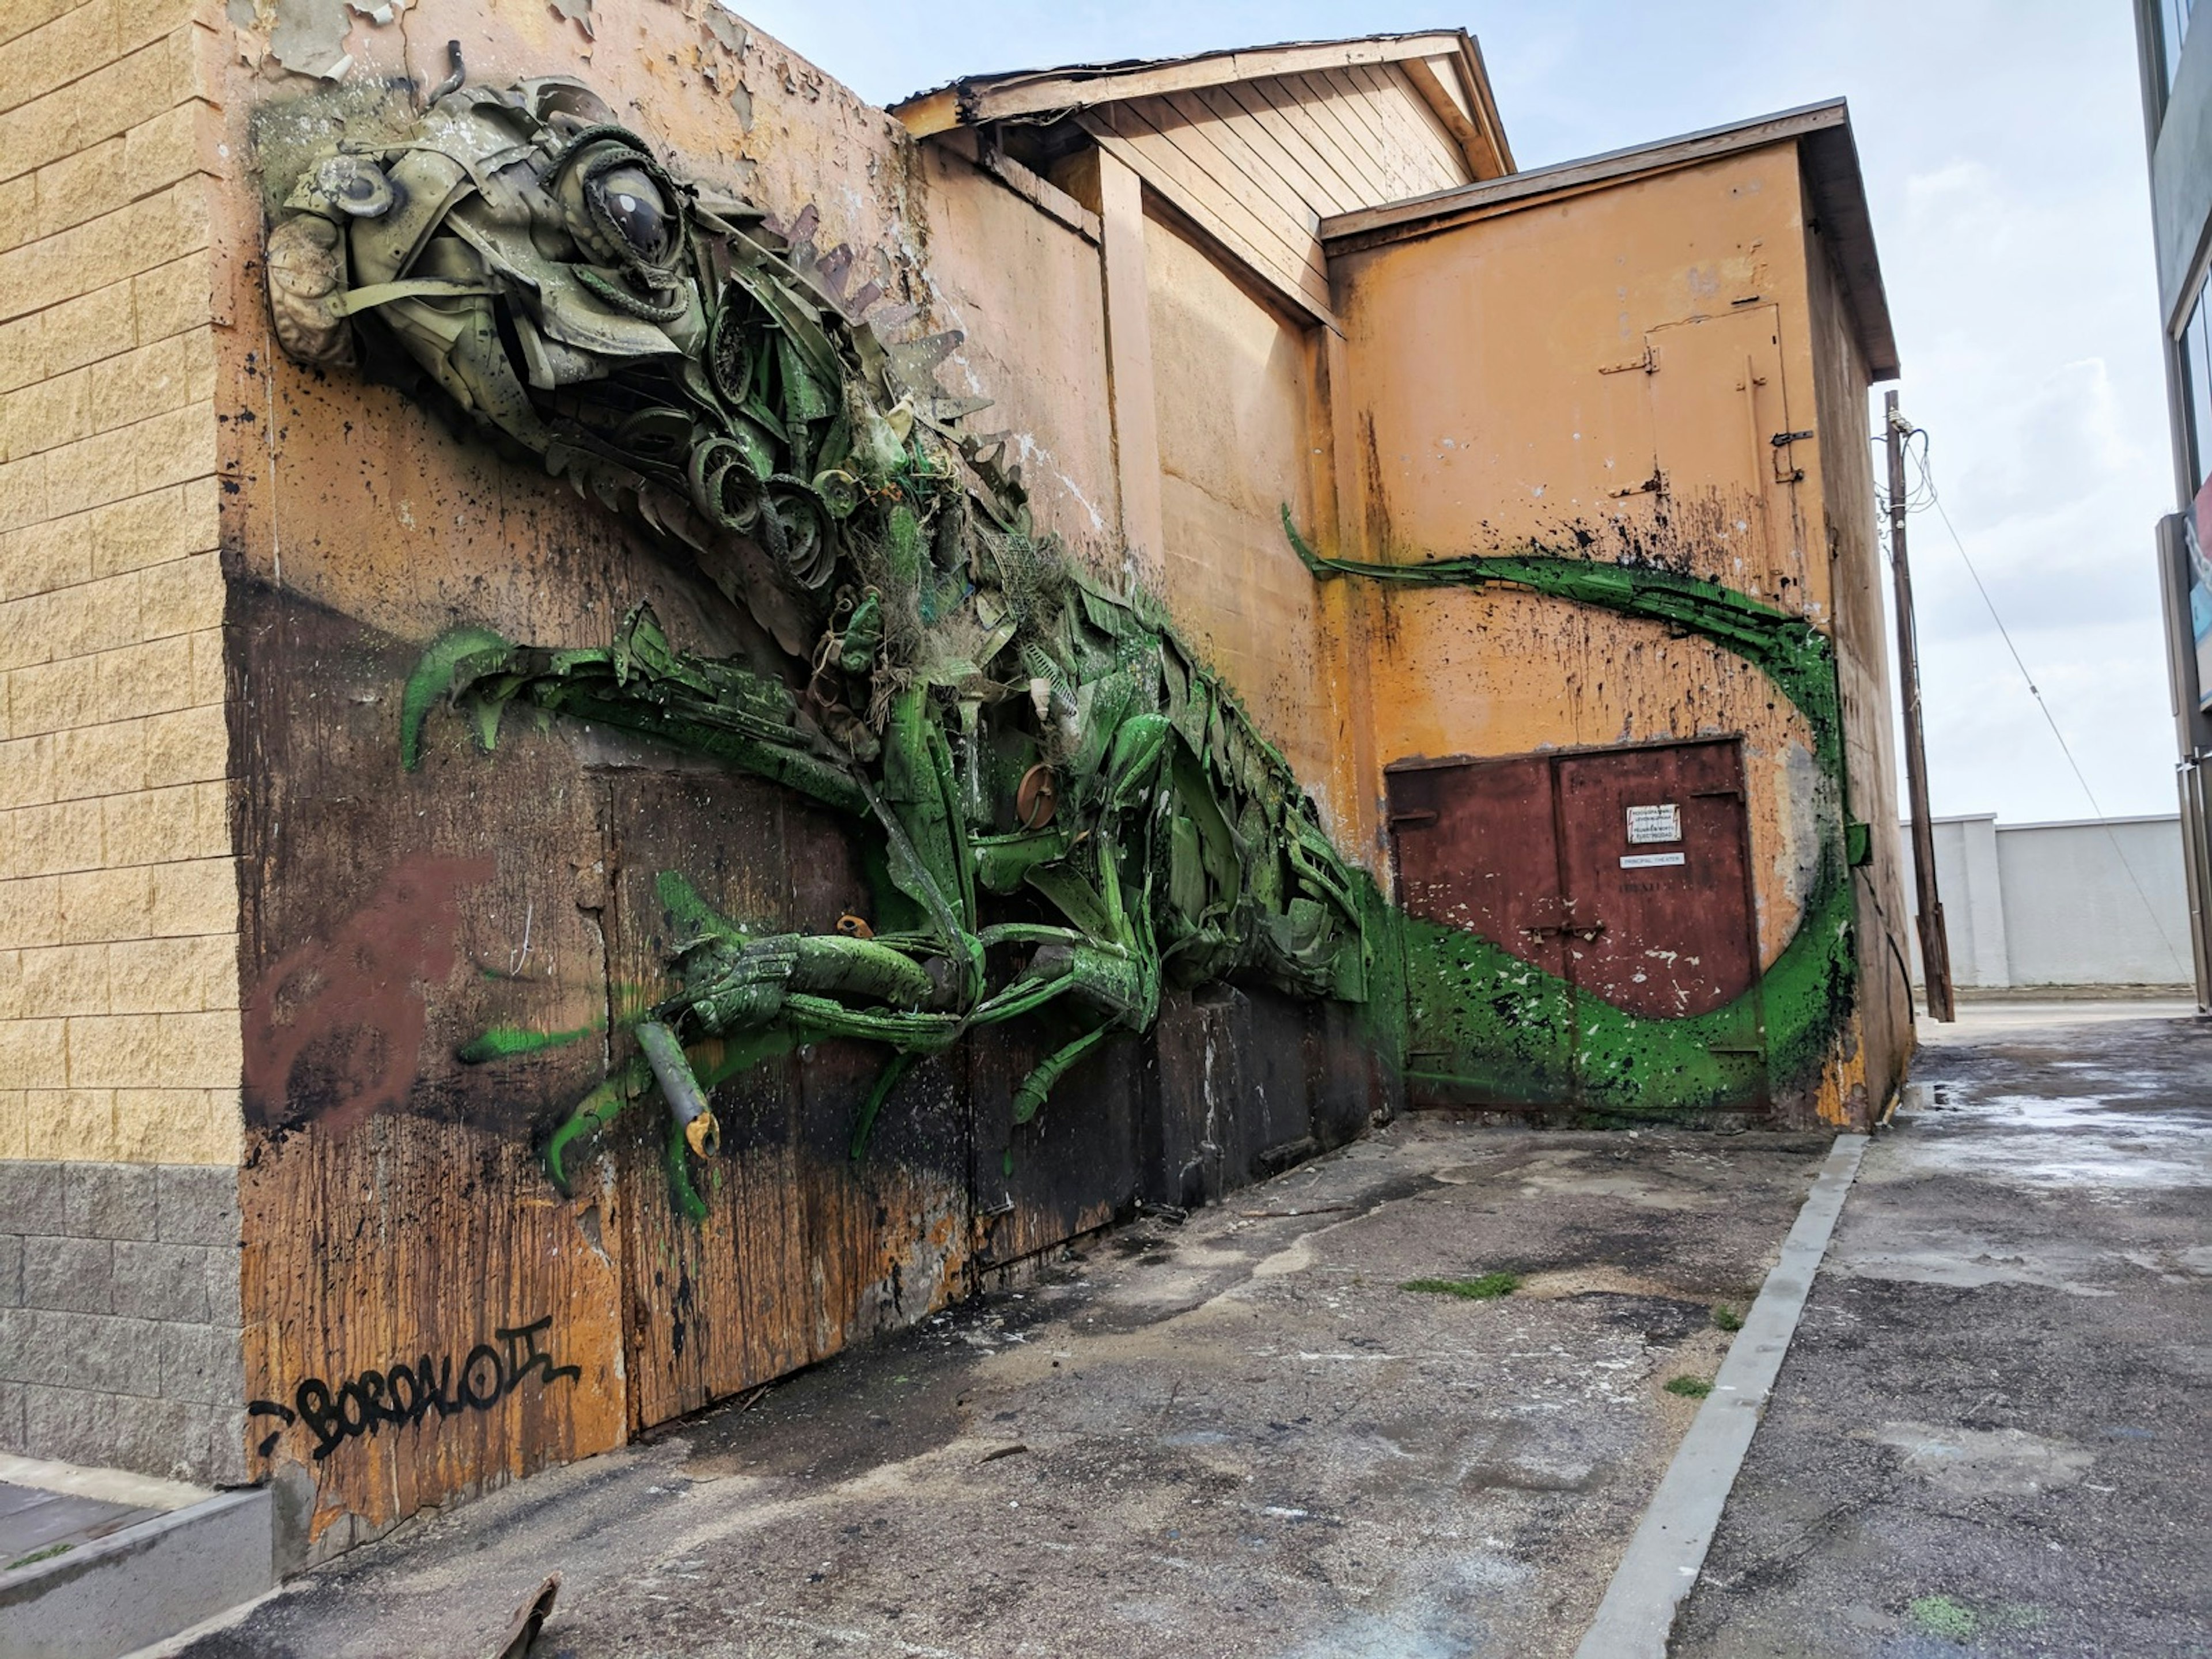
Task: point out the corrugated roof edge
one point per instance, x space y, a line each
1827 152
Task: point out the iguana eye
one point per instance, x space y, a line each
638 211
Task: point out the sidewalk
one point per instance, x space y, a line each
1993 1433
1238 1436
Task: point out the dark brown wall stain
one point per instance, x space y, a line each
334 1031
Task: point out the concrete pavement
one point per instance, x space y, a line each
1243 1436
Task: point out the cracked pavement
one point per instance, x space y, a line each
1235 1436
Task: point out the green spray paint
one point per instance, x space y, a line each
1501 1029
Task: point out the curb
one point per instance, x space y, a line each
139 1585
1661 1565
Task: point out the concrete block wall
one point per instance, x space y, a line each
120 1023
2090 902
118 1316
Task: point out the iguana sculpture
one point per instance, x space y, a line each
1072 809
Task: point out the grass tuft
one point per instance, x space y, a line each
1726 1318
36 1556
1939 1615
1487 1288
1690 1388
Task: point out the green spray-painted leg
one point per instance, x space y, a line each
594 1112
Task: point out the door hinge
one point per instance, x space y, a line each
1411 820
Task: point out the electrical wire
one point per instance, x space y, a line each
1922 496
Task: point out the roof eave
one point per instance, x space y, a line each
1032 93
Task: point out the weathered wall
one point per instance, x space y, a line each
1600 376
426 1315
1233 384
119 1049
397 1217
1839 469
1522 413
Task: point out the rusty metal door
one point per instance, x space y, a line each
1655 850
1475 846
1622 876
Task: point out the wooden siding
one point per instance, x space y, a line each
1258 164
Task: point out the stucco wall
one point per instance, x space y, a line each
1233 382
1602 376
1841 462
1520 414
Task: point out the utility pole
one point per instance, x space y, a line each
1935 944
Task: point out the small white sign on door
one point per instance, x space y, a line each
1650 861
1650 823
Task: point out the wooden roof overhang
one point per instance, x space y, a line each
1467 108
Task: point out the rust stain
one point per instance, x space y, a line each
334 1027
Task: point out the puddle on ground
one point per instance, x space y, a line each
1985 1462
2103 1144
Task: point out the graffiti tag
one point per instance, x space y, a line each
403 1395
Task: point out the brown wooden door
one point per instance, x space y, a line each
1621 877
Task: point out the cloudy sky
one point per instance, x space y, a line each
2002 144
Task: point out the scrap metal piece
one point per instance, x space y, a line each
516 1643
1008 730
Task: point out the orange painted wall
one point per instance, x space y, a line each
1602 374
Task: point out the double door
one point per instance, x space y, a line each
1563 905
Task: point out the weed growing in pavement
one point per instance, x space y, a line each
1487 1288
46 1554
1690 1388
1726 1318
1939 1615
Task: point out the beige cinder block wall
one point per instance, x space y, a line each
119 1049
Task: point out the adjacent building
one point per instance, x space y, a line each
2177 93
